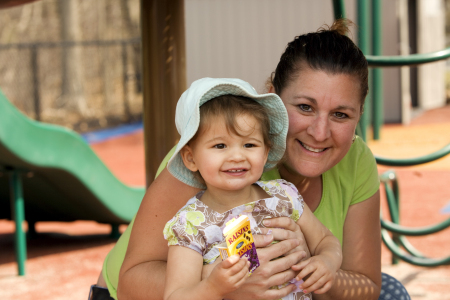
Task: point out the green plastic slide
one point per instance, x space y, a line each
49 173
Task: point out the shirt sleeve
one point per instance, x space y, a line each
295 197
180 231
366 179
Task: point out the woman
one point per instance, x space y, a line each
322 78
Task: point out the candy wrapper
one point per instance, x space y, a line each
239 240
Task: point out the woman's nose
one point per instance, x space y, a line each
319 129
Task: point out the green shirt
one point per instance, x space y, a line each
352 180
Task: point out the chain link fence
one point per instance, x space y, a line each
81 85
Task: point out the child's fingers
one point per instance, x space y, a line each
230 261
236 279
301 264
312 286
236 268
313 277
243 273
324 289
308 269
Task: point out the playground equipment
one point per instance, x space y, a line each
389 179
61 179
390 182
49 173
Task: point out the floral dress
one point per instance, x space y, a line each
199 228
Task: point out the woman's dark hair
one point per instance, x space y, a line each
328 49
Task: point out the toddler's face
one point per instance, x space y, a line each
225 160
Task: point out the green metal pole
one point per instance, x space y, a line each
18 212
363 43
407 60
115 233
339 9
377 78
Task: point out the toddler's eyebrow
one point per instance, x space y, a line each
222 139
255 139
215 138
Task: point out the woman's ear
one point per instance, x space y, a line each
271 89
188 158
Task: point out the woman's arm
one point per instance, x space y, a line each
143 271
184 269
360 273
326 254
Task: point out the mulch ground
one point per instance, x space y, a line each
66 258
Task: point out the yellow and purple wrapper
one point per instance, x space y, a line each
239 240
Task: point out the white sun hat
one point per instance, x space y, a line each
187 120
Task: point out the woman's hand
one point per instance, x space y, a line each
271 272
285 228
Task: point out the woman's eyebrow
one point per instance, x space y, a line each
346 107
307 98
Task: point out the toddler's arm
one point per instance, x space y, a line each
326 255
184 271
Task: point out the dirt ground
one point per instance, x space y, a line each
66 258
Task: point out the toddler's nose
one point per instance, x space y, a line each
236 155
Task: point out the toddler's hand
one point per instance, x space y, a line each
322 274
228 275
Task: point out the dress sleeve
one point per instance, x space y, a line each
295 198
180 231
366 179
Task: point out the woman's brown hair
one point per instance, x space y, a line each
328 49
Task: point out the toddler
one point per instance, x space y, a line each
230 135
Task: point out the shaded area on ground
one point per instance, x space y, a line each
55 238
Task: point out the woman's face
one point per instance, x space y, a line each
323 110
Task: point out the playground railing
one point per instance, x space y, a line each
389 179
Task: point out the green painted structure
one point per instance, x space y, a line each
49 173
393 234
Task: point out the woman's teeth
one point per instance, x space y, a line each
312 149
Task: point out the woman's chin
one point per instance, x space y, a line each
303 168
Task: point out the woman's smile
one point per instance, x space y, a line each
312 149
